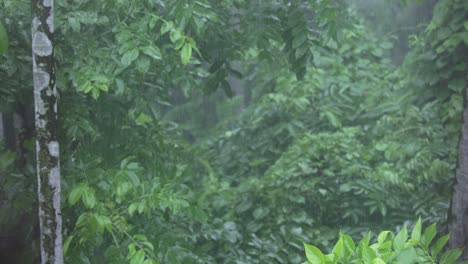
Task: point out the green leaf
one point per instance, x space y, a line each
75 194
140 237
179 43
124 36
386 246
131 249
377 52
88 198
87 87
364 242
143 64
314 255
348 242
100 78
153 22
134 178
138 258
141 207
175 35
103 223
411 243
120 86
378 261
82 219
330 258
148 245
301 51
408 255
74 24
384 236
450 256
381 146
333 119
186 53
66 244
166 27
143 119
132 166
132 208
416 233
95 92
439 245
338 248
129 57
386 45
349 246
102 87
298 40
400 239
428 235
153 52
3 39
368 254
194 47
258 213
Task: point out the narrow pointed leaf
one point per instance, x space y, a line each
450 256
416 233
439 245
428 235
400 239
186 53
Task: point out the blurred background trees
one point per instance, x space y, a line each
232 131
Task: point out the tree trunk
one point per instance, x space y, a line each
458 214
47 148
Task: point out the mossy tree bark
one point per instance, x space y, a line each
458 214
47 147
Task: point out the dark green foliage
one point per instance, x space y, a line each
3 39
166 161
344 148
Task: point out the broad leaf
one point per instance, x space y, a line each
130 56
314 255
153 52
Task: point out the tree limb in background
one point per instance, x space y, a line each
459 204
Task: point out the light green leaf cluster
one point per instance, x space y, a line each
400 249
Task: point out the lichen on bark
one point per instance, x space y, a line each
47 147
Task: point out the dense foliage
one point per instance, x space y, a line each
233 131
419 248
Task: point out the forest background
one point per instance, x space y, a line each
233 131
